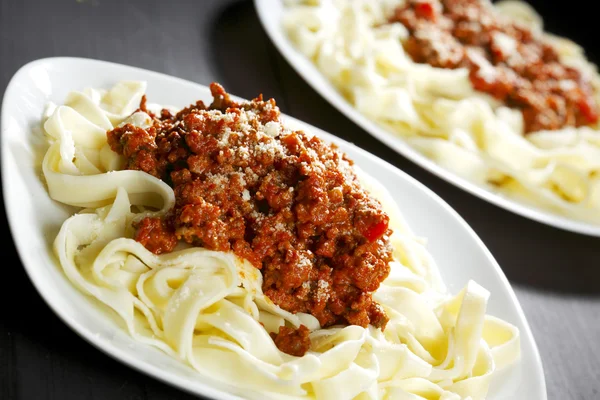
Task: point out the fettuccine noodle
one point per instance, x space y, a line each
207 308
438 112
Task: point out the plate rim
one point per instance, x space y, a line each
174 379
306 68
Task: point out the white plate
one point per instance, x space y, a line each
35 219
270 13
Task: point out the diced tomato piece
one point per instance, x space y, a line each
426 11
588 110
375 231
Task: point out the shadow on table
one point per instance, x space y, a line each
530 253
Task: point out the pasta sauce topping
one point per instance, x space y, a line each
284 200
505 60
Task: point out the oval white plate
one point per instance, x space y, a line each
35 219
270 13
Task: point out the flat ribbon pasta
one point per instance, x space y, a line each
438 112
207 308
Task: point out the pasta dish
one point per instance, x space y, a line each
479 88
259 255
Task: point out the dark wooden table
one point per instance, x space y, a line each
556 274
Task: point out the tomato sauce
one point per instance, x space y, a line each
284 200
505 60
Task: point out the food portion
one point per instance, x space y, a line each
258 254
505 60
480 88
285 201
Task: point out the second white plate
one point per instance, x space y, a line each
270 13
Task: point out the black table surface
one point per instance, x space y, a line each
555 274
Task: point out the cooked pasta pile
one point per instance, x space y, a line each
207 308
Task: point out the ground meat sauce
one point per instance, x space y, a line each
292 341
505 60
284 200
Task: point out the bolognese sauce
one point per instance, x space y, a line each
505 60
284 200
